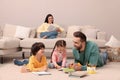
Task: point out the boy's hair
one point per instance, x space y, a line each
36 47
59 43
80 35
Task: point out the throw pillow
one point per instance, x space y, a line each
113 42
32 33
22 32
90 33
71 30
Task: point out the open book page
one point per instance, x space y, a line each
52 28
42 73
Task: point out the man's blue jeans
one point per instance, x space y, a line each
20 63
104 56
50 35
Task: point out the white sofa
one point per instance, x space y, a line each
9 43
15 37
92 33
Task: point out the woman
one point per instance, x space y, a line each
49 30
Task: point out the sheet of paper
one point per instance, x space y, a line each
42 73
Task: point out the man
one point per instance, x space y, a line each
85 52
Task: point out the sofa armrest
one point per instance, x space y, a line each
1 31
101 35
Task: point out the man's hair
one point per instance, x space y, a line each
46 19
81 35
36 47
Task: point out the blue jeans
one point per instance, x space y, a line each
50 35
51 65
104 56
20 63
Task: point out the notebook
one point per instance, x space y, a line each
79 74
42 73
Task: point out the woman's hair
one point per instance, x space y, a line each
80 35
59 43
36 47
46 19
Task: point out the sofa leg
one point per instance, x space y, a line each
23 55
1 59
30 53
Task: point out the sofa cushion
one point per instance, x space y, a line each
9 30
9 43
22 32
49 43
90 33
71 30
100 43
101 35
28 42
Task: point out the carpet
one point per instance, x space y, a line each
9 71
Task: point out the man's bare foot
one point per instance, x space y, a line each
58 30
44 37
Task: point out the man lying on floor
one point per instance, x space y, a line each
86 52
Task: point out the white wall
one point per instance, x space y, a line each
105 14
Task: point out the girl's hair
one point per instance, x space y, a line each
36 47
59 43
46 19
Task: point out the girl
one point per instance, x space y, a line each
37 62
58 55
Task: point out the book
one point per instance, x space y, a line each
42 73
79 74
52 28
61 69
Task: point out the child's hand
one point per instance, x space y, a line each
77 66
45 68
70 66
58 67
24 69
58 30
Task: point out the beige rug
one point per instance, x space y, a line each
9 71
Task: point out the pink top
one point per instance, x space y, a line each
58 57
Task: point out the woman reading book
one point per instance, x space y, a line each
49 30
